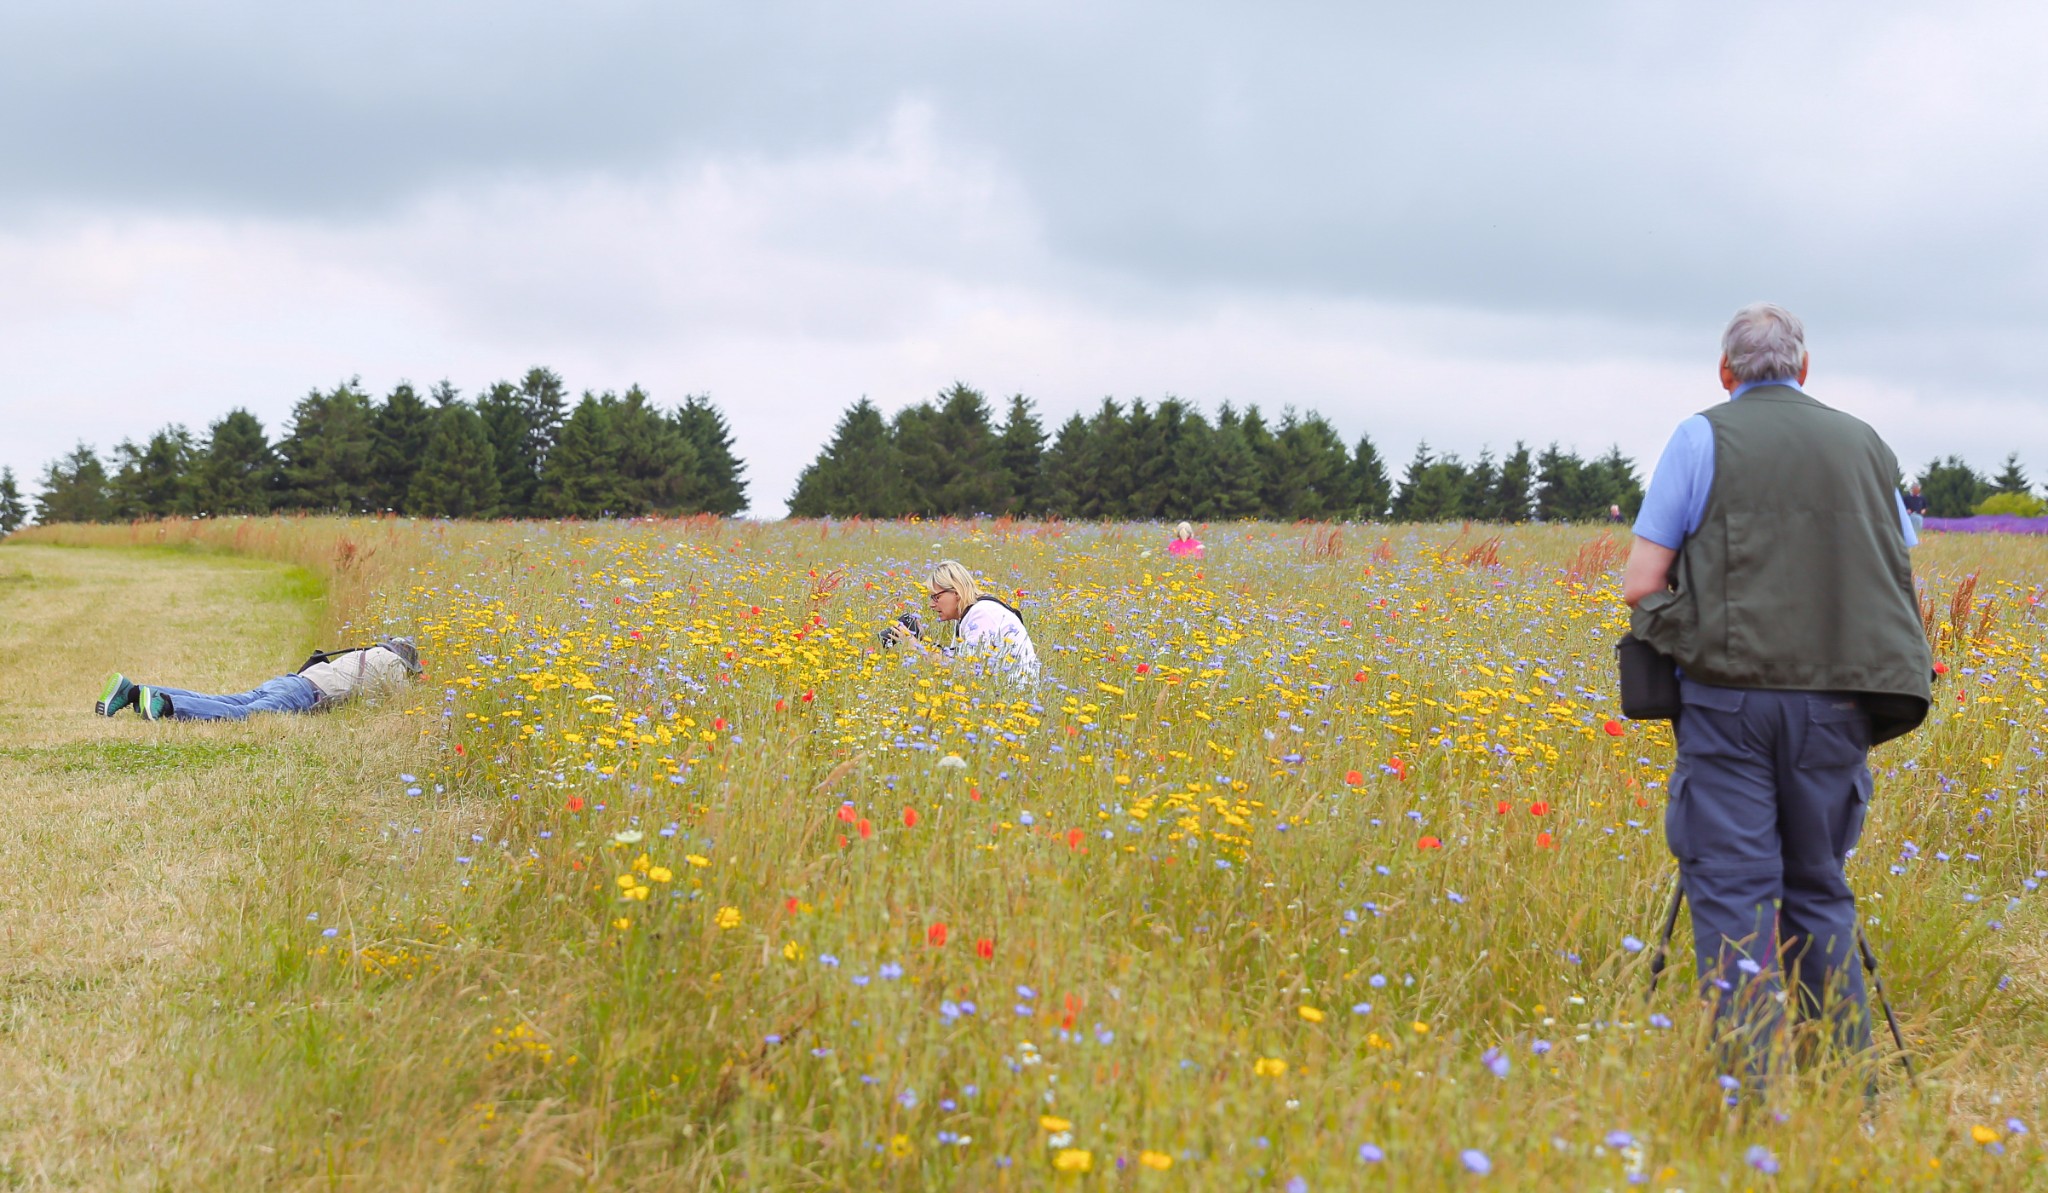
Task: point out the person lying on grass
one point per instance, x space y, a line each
326 680
989 630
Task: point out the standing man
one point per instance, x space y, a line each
1770 562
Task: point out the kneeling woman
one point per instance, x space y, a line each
988 631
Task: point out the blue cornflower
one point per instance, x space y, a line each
1620 1139
1361 1008
1475 1161
1632 944
1376 981
1660 1020
1370 1154
1540 1047
1495 1063
1760 1158
890 971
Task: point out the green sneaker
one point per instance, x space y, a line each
117 695
152 704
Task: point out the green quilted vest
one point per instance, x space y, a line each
1798 576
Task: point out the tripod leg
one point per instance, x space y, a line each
1657 958
1877 983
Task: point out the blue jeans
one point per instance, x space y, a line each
1767 799
286 693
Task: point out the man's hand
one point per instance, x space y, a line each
1649 566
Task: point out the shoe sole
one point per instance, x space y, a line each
145 703
105 705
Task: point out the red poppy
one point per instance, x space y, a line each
1539 808
1346 623
718 723
1073 1007
974 793
809 696
842 840
910 818
789 905
1545 841
866 829
1613 728
846 813
935 936
1144 667
1400 767
460 750
575 803
1501 808
1358 677
781 705
1353 778
1429 843
1941 668
985 948
1073 838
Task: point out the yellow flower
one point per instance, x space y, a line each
1269 1066
1311 1014
627 882
1983 1134
639 892
660 874
622 923
1419 1028
1074 1159
900 1146
793 951
728 917
1055 1125
1157 1161
698 860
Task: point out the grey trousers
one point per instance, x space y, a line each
1767 798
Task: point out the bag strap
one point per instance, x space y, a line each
1014 611
322 656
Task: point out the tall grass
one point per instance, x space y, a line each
1292 848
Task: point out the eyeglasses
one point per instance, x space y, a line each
941 592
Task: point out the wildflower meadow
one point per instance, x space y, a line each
1324 861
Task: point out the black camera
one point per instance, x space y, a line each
911 624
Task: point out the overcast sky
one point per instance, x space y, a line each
1469 224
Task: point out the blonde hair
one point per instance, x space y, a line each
951 573
1183 532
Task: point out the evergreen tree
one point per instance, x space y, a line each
508 423
1312 471
1952 488
237 471
12 512
967 475
580 478
457 475
1020 445
1069 470
856 474
547 401
1110 449
327 453
1235 470
399 430
656 463
1615 483
911 431
1371 491
719 485
74 489
154 480
1258 437
1432 490
1482 490
2013 478
1172 463
1558 485
1511 490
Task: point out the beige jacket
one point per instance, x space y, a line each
356 673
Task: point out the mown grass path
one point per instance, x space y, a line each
123 842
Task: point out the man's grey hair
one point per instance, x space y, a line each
1764 342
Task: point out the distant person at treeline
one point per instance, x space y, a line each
1184 545
326 680
1916 508
988 630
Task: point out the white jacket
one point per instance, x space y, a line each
353 673
991 634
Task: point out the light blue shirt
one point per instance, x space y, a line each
1677 497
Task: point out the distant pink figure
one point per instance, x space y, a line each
1184 545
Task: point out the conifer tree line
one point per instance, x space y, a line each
1169 461
520 449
